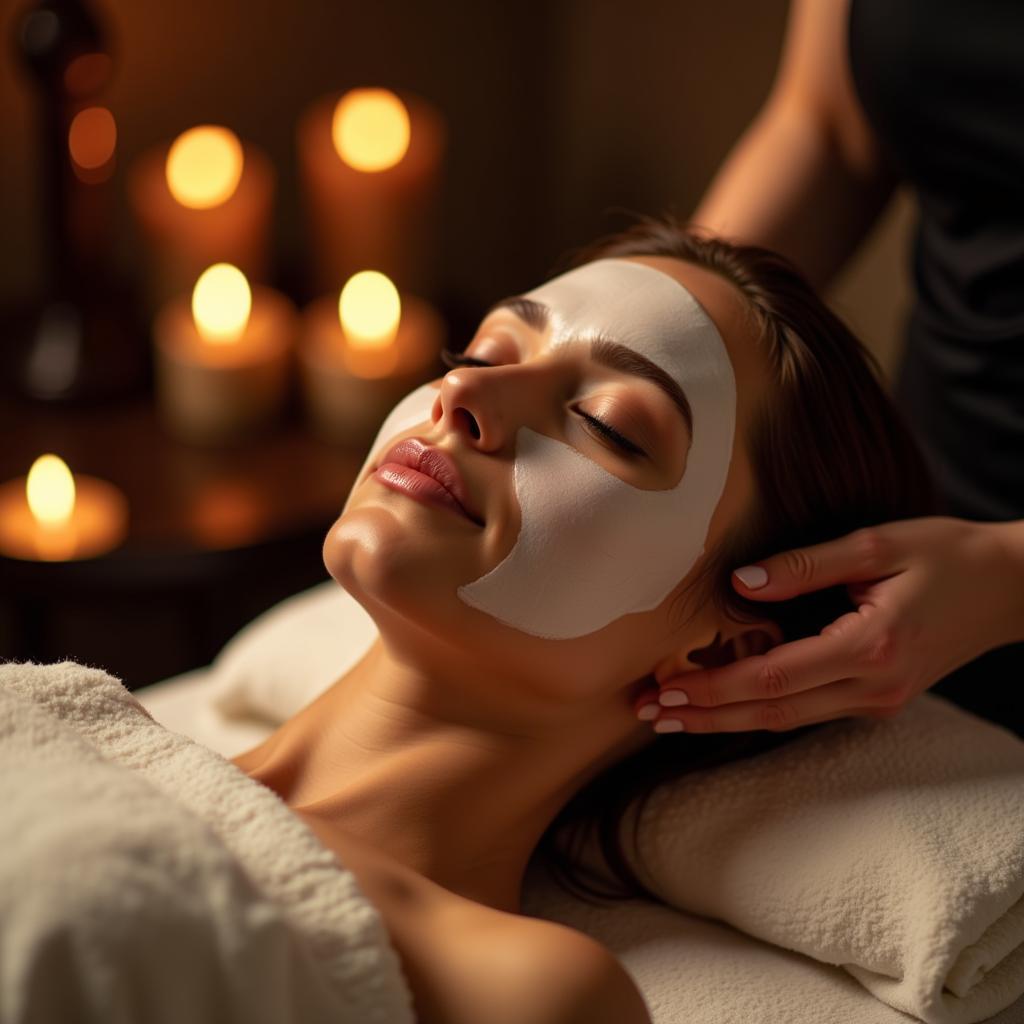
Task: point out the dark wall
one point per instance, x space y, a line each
557 112
561 115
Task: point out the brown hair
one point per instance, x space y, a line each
830 454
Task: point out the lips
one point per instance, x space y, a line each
436 464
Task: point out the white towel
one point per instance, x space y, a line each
893 849
145 877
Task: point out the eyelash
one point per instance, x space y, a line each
453 359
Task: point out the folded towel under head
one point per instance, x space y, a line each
893 848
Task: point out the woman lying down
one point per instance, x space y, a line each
546 525
536 535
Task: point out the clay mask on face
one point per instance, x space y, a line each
592 548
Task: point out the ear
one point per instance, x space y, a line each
732 641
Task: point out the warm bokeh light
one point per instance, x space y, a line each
370 129
369 309
50 490
92 137
229 513
204 166
221 303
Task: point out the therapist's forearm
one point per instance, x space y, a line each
786 186
1010 536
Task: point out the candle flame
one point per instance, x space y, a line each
50 490
370 129
221 304
369 309
204 166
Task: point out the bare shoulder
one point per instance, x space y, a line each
562 976
467 963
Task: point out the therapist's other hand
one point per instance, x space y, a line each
931 594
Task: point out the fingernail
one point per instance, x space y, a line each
647 712
672 698
668 725
752 576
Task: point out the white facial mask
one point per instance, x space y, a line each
414 408
591 547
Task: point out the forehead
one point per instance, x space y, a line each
730 312
640 307
595 303
643 316
721 301
598 301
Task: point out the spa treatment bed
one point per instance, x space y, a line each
869 873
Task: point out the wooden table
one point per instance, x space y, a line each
215 537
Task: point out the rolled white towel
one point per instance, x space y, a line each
892 848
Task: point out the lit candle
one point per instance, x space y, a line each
361 351
205 197
53 516
222 360
370 165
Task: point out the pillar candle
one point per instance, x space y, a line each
377 207
202 199
223 362
353 375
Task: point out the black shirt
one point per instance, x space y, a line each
942 85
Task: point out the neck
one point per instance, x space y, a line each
455 776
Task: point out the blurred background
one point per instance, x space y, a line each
551 124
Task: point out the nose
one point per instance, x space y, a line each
487 405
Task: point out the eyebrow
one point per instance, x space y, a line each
606 352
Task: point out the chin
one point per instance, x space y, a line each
391 570
365 549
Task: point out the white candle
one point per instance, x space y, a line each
223 358
52 515
363 350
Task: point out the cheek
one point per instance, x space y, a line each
607 666
413 410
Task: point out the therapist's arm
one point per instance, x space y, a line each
1011 535
807 177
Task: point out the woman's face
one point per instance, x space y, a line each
595 490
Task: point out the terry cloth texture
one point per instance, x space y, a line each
892 848
143 877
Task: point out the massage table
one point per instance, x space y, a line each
690 969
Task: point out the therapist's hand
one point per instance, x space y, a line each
931 594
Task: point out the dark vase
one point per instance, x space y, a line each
80 339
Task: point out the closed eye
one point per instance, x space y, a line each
453 359
612 434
